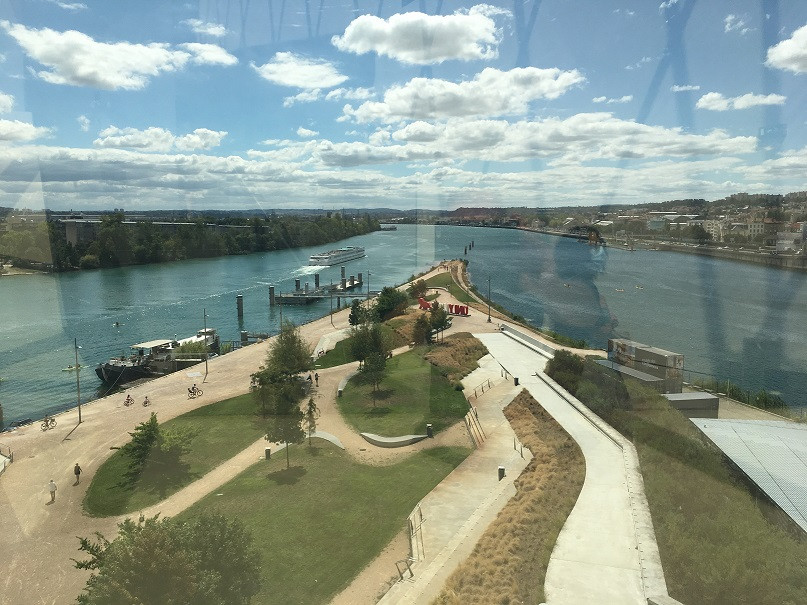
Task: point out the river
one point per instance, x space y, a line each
741 322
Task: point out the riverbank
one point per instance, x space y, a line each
792 262
11 270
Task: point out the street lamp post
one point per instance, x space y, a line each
204 313
488 298
78 379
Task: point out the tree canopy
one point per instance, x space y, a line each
206 561
390 302
278 388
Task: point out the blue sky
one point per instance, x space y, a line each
434 104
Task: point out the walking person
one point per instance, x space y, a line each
316 378
52 490
77 473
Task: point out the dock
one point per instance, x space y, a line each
303 294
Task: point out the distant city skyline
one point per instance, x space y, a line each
436 105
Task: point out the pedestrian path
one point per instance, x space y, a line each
456 513
598 555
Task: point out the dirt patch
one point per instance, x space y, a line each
508 564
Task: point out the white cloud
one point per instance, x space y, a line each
714 101
733 23
579 138
354 94
16 131
289 69
667 4
209 54
70 6
6 102
623 99
684 87
206 28
421 39
491 93
83 123
201 138
305 132
75 59
158 139
337 94
639 63
790 54
307 96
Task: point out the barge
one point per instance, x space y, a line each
154 358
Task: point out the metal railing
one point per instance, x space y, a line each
474 427
6 457
481 388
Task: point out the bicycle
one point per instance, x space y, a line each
49 422
194 392
146 402
128 401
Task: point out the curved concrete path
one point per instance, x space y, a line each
597 556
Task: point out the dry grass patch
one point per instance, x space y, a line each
508 564
404 324
457 355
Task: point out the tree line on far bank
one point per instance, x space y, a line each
117 244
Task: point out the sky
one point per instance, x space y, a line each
235 104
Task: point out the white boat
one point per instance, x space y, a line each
334 257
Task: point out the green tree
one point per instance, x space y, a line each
390 302
418 289
208 561
139 449
289 353
374 371
422 331
311 415
357 313
366 339
284 423
565 368
439 320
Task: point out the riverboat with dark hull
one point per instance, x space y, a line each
154 358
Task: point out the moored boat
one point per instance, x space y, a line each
154 358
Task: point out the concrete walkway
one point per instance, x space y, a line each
456 513
597 558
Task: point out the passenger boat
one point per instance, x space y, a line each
154 358
334 257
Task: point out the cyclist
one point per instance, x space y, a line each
146 401
129 400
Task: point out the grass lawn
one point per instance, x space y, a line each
340 354
513 554
321 521
444 280
413 393
720 542
221 430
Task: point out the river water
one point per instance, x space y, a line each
739 321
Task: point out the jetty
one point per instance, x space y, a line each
348 287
